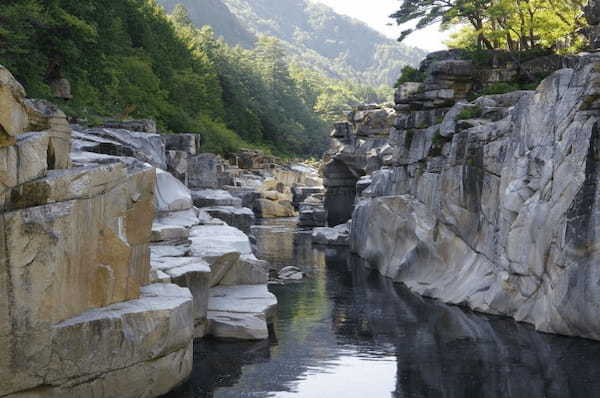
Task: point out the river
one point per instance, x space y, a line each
346 332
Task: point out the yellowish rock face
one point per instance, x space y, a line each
13 116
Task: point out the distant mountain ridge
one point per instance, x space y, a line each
216 14
313 35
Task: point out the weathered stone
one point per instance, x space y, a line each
53 360
21 163
497 214
406 91
71 277
204 170
265 208
13 114
69 184
170 193
162 232
193 273
290 273
45 116
61 88
145 147
312 215
214 197
247 271
214 240
241 312
241 218
186 143
177 165
337 236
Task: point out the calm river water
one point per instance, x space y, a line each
346 332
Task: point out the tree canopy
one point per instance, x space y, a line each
128 58
516 25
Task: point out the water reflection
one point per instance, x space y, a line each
347 332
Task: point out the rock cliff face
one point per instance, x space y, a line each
492 204
75 266
592 14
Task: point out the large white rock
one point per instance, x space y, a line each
171 194
214 240
241 312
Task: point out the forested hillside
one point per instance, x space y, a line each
129 59
314 36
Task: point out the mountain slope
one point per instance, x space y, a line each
314 36
217 15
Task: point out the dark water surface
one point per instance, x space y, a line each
346 332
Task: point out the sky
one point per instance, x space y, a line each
375 14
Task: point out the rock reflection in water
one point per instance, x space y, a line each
281 243
348 332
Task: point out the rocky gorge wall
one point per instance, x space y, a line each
75 267
119 246
491 204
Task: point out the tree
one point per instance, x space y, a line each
516 25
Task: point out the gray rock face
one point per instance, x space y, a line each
592 14
241 312
204 170
336 236
215 197
170 193
145 147
498 215
241 218
188 143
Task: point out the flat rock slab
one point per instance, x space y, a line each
239 217
152 334
193 273
215 240
215 197
337 236
240 312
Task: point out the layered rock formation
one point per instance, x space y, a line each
489 204
74 268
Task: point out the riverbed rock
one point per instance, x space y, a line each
336 236
193 273
265 208
290 273
239 217
215 197
170 193
241 312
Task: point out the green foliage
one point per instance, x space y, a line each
472 112
127 58
516 25
410 74
312 35
500 88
